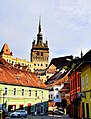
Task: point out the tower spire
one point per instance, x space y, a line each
39 24
81 53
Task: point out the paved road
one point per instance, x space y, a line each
45 117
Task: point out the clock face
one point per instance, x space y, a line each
37 53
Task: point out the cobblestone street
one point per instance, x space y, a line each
45 117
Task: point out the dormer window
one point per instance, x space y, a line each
17 77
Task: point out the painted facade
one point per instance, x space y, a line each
75 101
16 62
86 90
39 56
85 94
23 97
20 89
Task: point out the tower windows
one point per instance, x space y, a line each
41 53
37 53
34 64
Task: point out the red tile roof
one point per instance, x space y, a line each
13 76
60 80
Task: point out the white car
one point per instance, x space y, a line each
19 113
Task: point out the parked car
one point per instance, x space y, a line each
58 112
19 113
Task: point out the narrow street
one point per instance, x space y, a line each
45 117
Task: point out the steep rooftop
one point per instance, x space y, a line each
5 50
14 76
60 62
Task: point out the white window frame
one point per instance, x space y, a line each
36 93
22 92
14 91
86 77
82 82
30 92
5 90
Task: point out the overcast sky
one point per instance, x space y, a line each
66 24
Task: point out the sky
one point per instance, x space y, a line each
66 25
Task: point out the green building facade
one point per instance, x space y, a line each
32 99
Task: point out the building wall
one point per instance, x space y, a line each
74 90
86 88
13 61
25 100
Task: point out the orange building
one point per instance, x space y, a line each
75 84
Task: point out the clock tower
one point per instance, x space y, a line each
40 51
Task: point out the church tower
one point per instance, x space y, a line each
40 51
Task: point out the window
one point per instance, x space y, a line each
22 64
51 96
34 64
14 91
57 96
42 93
41 64
79 79
5 91
86 80
90 94
22 92
71 85
82 82
56 89
41 53
29 92
37 53
12 62
36 93
46 65
17 77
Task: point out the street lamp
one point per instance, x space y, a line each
3 101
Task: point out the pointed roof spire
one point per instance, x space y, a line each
81 53
39 24
5 50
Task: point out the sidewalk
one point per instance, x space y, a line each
65 116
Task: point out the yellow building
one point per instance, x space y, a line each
17 62
86 85
39 56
